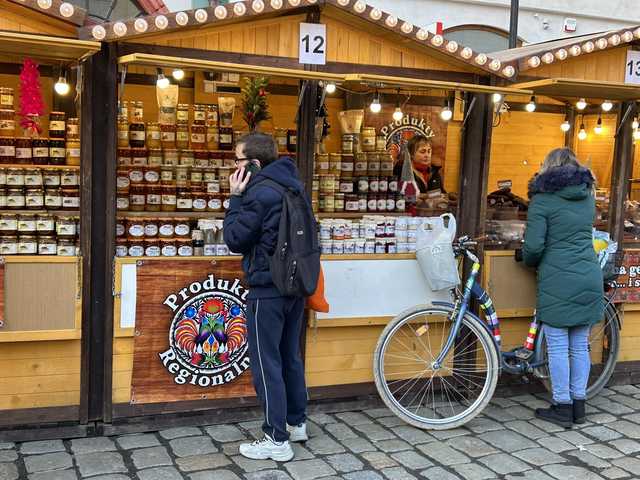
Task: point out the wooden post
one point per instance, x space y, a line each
569 135
97 214
307 114
622 169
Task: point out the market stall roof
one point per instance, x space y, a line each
540 54
244 10
46 47
58 9
568 88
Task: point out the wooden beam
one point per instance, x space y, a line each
569 135
623 153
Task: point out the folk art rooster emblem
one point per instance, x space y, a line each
210 332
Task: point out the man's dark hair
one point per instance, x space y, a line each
259 146
414 142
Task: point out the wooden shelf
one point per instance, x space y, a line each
61 213
43 167
123 213
347 215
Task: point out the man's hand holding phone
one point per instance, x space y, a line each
238 181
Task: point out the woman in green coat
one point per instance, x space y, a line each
558 241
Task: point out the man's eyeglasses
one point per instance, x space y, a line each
241 159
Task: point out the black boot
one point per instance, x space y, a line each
578 411
561 414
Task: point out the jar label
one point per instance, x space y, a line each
152 176
169 251
184 203
199 204
28 247
166 230
72 129
153 135
136 230
47 248
122 182
386 166
7 151
137 135
6 100
119 230
152 251
215 204
155 161
168 199
227 138
40 152
73 152
69 179
393 185
368 141
49 226
153 199
136 176
374 166
372 204
66 251
123 134
15 179
169 137
400 205
199 115
213 187
57 152
282 141
182 229
347 166
122 203
185 251
57 125
35 179
346 187
139 161
151 229
7 125
34 200
182 136
213 137
351 206
198 138
71 202
183 115
382 204
361 167
363 185
10 224
15 200
391 204
23 153
136 199
383 185
136 251
121 250
55 201
166 175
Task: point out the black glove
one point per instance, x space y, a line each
518 255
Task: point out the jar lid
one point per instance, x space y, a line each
47 237
57 113
27 237
27 215
7 110
65 219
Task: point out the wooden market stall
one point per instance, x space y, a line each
41 286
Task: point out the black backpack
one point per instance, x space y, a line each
295 263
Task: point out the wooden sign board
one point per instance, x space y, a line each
190 334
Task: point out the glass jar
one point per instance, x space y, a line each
122 180
7 150
322 163
155 157
152 175
393 184
73 152
124 157
57 125
45 224
213 186
168 136
226 138
154 198
40 151
381 143
169 199
73 129
212 115
27 245
346 166
383 185
280 137
15 177
184 200
201 158
6 97
182 113
374 183
122 201
213 138
386 164
137 135
182 175
167 176
122 247
373 164
66 247
7 123
185 249
199 200
339 202
136 175
70 198
187 158
24 152
171 157
136 247
8 245
53 198
215 160
351 202
214 202
182 228
8 224
138 111
182 136
3 198
134 227
196 176
199 115
154 135
138 156
137 198
27 224
368 139
34 198
168 247
47 245
152 247
151 227
57 152
166 228
123 132
69 177
363 184
292 140
335 164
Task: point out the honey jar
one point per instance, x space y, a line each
280 137
70 198
57 125
136 247
212 115
171 157
199 200
182 136
187 158
137 135
57 152
47 245
24 152
226 138
182 228
15 198
154 135
7 123
168 199
45 224
199 115
167 176
168 136
152 247
213 138
214 202
34 198
185 249
122 180
184 200
201 158
27 245
66 247
73 152
70 177
368 139
166 228
123 132
6 97
73 129
154 198
7 150
182 113
322 163
137 198
373 164
335 164
155 157
138 156
168 247
40 151
53 198
122 247
136 175
151 226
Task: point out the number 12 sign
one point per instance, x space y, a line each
632 68
313 43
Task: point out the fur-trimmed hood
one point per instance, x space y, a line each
558 179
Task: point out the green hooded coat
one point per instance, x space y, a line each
558 241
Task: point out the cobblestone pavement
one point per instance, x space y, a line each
505 442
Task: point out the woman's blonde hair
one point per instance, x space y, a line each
559 157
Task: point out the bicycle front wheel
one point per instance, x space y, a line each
428 397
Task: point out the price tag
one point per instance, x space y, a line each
504 184
632 67
313 44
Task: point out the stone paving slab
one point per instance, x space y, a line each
504 442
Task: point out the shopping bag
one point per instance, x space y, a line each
606 251
317 301
434 251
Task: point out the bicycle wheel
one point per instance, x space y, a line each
430 398
604 346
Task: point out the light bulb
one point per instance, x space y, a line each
635 123
583 133
607 106
531 106
497 97
375 106
598 127
581 104
397 114
565 126
62 87
446 114
330 88
178 74
162 81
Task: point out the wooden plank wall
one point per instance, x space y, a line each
630 334
603 66
39 374
596 151
20 19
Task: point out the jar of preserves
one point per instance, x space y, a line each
208 174
15 177
8 245
122 201
391 203
134 227
280 136
201 158
346 166
330 203
182 228
7 123
213 138
400 203
73 152
335 164
8 224
199 115
182 175
137 198
182 113
185 249
393 184
214 202
155 157
168 136
122 247
182 136
57 125
124 157
123 132
381 143
169 199
383 185
40 151
196 176
346 186
3 177
152 175
223 176
57 152
24 152
69 177
53 198
151 227
6 97
213 186
120 227
373 164
351 202
66 247
27 245
166 228
3 198
45 224
70 198
199 198
138 111
363 184
34 198
136 175
138 156
47 245
73 129
322 163
154 198
184 200
386 164
167 176
7 150
382 203
216 160
374 183
372 203
154 135
368 139
171 157
339 202
226 138
152 247
136 247
292 140
168 247
27 224
122 180
137 135
212 115
187 158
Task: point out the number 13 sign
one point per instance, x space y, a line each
632 67
313 43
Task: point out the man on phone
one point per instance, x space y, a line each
274 322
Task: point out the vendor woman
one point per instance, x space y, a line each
427 174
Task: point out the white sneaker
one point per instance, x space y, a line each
267 448
298 433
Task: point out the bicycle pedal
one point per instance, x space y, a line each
523 353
